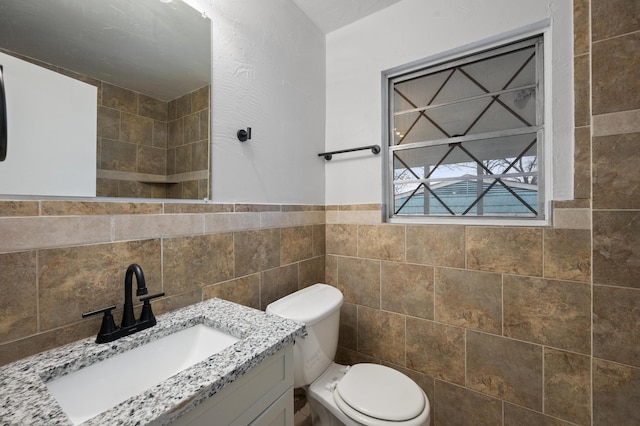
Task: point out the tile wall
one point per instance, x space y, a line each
59 259
518 326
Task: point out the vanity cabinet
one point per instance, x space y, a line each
262 396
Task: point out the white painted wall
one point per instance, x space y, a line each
268 74
51 130
409 31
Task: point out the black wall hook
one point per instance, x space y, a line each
243 134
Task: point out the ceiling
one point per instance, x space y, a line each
330 15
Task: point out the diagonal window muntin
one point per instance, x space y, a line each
511 103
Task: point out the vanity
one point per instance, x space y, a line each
248 378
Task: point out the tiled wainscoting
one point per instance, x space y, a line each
59 259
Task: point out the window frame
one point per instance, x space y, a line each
447 60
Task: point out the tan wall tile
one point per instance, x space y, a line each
581 27
359 281
616 248
108 123
116 155
614 17
136 129
469 299
152 107
311 271
449 241
362 217
319 240
572 218
166 225
616 327
457 406
200 98
119 98
407 289
348 336
256 251
296 244
614 64
518 416
85 278
278 219
245 291
19 208
554 313
190 263
277 283
567 254
225 222
63 208
18 305
505 368
582 164
617 123
567 386
385 242
616 176
616 392
173 302
346 356
582 102
508 250
381 334
436 349
342 240
331 270
152 160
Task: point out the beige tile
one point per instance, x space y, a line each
26 233
278 219
359 281
311 271
85 278
65 208
572 218
166 225
136 129
183 105
200 155
507 250
616 248
519 416
384 242
567 386
348 336
436 349
18 208
342 240
560 316
152 160
225 222
616 329
617 123
296 244
616 177
612 18
176 301
18 305
36 343
381 335
152 107
192 128
160 134
175 133
346 356
616 392
448 239
582 165
469 299
582 92
457 406
119 98
184 159
257 208
567 254
256 251
615 78
505 368
116 155
581 27
362 217
200 98
197 207
277 283
407 289
319 240
191 263
108 123
331 270
245 291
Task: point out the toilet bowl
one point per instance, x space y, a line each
362 394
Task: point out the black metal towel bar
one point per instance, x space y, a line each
329 155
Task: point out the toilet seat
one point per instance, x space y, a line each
376 395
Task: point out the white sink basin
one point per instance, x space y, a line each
94 389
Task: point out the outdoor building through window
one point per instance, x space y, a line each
466 136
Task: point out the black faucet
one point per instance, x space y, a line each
108 331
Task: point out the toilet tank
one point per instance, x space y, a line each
318 307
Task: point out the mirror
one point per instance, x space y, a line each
150 61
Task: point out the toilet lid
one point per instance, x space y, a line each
381 392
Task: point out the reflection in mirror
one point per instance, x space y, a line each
150 61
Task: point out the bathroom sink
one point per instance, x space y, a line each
92 390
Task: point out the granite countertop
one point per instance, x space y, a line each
24 398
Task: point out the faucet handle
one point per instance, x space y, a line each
108 324
147 313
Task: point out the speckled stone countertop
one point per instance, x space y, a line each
25 400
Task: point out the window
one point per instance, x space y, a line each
466 137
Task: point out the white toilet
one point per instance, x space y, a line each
363 394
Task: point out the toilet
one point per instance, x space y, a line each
362 394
